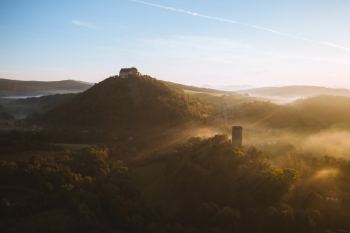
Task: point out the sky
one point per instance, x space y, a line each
197 42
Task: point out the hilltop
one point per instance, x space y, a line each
131 104
10 87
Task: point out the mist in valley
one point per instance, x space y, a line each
177 158
140 116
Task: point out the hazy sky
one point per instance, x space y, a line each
195 42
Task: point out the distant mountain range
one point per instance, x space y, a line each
295 91
207 89
16 88
230 88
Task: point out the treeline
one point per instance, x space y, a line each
216 188
95 192
39 104
6 116
31 108
265 113
334 109
221 189
200 89
17 141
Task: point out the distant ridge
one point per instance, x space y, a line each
200 89
230 88
296 91
10 87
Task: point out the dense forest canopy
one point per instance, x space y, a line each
265 113
216 188
32 105
213 180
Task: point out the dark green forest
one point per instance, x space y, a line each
269 114
217 188
334 109
141 137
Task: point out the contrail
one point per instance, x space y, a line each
236 22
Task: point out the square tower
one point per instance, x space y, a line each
237 136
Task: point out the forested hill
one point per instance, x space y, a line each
296 91
31 88
127 104
334 109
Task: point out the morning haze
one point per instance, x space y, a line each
174 116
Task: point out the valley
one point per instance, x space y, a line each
161 146
174 116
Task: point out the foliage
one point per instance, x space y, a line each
276 116
26 141
6 116
333 109
220 187
93 188
200 89
216 188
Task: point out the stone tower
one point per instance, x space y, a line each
237 138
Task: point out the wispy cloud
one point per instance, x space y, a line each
80 23
245 24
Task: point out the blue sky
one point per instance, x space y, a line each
197 42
